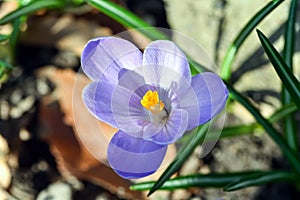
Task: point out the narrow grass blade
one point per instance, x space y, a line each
283 112
5 69
283 71
288 52
15 35
4 64
33 7
261 179
234 47
216 180
181 157
238 130
287 151
126 18
4 37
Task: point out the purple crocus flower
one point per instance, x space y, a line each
150 97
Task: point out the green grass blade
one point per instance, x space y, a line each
238 130
283 112
181 157
4 37
261 179
288 52
216 180
287 151
283 71
15 35
5 69
4 64
234 47
33 7
127 18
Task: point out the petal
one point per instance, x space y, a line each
115 105
172 130
165 78
90 46
130 79
127 110
165 53
132 157
97 98
211 95
106 56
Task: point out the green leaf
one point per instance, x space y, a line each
283 112
288 52
127 18
4 37
181 157
5 69
15 35
283 71
261 179
243 34
216 180
287 151
30 8
4 64
242 129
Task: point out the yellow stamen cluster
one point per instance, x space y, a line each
151 102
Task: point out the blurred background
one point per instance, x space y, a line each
41 156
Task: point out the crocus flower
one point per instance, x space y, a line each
150 97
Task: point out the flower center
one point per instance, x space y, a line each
151 102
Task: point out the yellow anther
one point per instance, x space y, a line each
151 102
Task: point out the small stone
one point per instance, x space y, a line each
56 191
204 169
16 112
102 196
191 166
4 110
4 169
3 146
16 96
66 59
27 103
181 194
42 86
4 174
24 135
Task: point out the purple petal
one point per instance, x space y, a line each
130 79
211 95
132 157
127 110
115 105
165 78
106 56
97 98
162 53
90 46
174 128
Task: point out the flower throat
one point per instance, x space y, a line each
151 102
